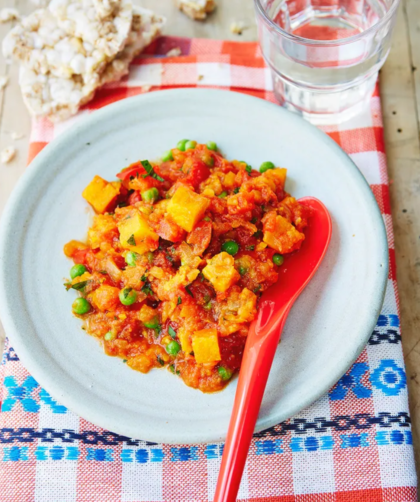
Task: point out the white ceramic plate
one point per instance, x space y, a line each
326 330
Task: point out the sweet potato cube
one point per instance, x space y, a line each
100 194
284 238
105 298
205 344
278 176
221 272
184 338
187 207
136 234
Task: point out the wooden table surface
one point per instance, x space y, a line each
400 91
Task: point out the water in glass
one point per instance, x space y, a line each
325 54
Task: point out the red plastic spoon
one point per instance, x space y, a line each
263 338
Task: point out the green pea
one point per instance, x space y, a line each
81 306
181 144
223 195
173 348
190 145
77 270
151 195
265 166
278 259
131 258
230 247
128 296
224 373
153 323
167 156
110 336
211 145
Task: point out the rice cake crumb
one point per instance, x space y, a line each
196 9
237 27
7 154
4 80
16 135
176 51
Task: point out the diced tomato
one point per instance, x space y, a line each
202 292
170 231
135 169
134 197
79 256
197 174
200 237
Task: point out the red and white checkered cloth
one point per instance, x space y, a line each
353 445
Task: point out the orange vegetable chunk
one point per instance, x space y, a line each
100 194
105 298
137 235
284 238
205 345
221 272
187 208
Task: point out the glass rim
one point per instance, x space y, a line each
339 41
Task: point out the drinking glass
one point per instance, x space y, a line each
325 55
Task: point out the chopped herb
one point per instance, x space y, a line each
79 286
242 270
208 305
257 288
126 292
122 204
250 248
131 240
125 360
143 278
188 290
206 218
172 368
172 332
115 318
146 289
150 257
169 257
87 144
236 190
223 195
179 300
104 272
158 329
160 360
258 234
150 171
178 372
248 169
254 220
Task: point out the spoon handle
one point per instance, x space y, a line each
256 364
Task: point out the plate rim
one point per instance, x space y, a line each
11 210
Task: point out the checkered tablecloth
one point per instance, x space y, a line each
353 445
